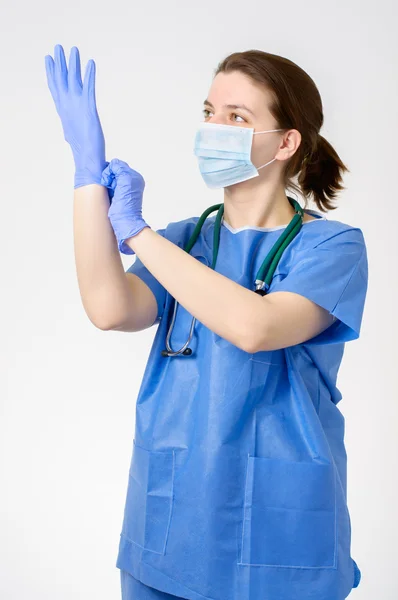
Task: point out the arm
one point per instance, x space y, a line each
109 295
234 312
239 315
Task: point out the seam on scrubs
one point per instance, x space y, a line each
318 397
170 512
164 576
244 520
266 362
349 279
277 228
336 533
170 451
139 545
171 503
333 566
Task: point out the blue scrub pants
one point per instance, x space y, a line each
132 589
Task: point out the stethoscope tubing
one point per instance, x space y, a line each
264 275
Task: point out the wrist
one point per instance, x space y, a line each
127 243
85 175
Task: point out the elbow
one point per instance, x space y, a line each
249 345
103 327
256 335
100 317
100 324
249 339
254 327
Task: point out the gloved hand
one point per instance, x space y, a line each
125 213
75 104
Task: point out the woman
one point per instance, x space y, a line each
237 484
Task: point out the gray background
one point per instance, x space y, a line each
68 390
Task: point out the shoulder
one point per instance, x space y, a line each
324 244
329 233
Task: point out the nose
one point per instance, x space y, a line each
218 121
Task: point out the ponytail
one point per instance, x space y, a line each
321 174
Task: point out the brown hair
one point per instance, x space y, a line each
297 105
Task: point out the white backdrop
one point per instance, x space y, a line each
68 390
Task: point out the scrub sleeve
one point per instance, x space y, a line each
139 269
334 275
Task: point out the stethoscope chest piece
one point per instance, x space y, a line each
186 352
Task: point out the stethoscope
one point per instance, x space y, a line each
264 274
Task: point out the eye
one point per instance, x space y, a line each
234 114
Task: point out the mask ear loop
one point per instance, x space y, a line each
268 163
267 131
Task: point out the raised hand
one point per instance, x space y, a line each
76 106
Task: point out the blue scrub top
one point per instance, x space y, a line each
237 488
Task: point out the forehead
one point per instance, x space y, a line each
238 88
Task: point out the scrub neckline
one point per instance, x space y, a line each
314 213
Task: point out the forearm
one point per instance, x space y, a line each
219 303
104 289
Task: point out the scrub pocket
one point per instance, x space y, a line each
149 498
289 514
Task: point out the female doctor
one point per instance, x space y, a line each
237 487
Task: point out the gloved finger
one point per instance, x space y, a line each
61 71
74 74
89 84
118 166
123 172
107 177
109 181
50 66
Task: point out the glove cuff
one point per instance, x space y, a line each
87 176
123 247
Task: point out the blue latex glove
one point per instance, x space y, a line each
75 104
125 213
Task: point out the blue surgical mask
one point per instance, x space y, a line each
224 152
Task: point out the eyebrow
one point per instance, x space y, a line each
243 106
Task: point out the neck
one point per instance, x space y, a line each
248 204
